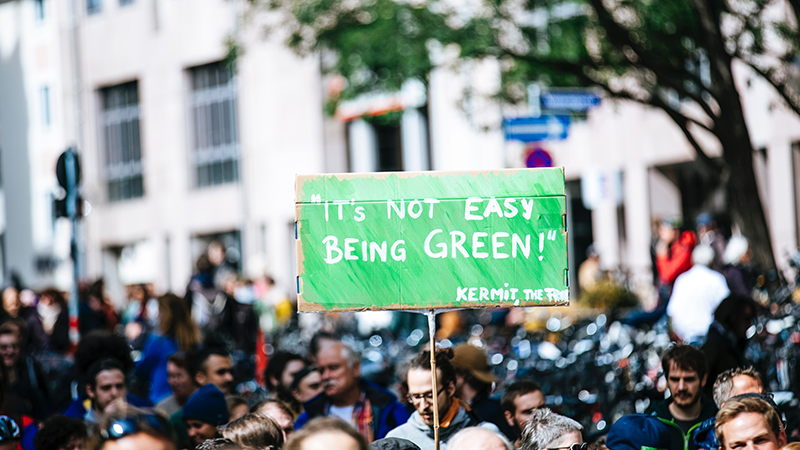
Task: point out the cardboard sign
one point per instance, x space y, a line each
429 240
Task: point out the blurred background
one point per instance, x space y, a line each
190 119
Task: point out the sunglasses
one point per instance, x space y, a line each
571 447
9 430
127 426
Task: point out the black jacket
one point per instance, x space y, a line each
490 410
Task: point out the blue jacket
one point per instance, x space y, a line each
704 435
153 365
385 407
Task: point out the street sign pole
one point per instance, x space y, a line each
72 211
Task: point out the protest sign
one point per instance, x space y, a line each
431 240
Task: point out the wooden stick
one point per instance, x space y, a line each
432 332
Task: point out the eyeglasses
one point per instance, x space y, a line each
574 446
9 430
135 424
417 398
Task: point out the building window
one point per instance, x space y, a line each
123 154
38 7
93 6
44 100
214 141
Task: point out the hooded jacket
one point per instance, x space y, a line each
708 411
389 412
704 435
418 432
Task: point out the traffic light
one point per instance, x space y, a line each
68 172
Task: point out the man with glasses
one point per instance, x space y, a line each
371 410
454 414
519 401
550 431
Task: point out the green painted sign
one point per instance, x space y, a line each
427 240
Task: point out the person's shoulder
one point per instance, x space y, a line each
378 394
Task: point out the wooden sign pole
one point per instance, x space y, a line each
432 332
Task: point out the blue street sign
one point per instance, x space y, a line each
570 100
535 129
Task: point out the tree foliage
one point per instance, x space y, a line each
676 55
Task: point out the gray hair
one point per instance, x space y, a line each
350 354
545 428
703 255
723 386
462 438
735 250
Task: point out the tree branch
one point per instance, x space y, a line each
791 98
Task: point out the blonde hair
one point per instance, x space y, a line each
739 405
254 432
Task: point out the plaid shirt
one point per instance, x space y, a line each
362 416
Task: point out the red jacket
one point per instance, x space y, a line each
678 259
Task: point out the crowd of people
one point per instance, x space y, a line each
195 372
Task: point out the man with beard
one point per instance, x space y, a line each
371 410
454 414
686 371
519 402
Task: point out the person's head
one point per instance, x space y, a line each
218 444
420 389
669 229
320 341
519 401
738 381
213 365
98 345
175 321
178 377
237 407
327 433
106 383
280 412
306 384
131 428
9 345
393 444
703 255
749 423
340 367
548 430
205 410
281 369
10 434
736 314
472 368
686 371
61 433
51 297
639 431
11 303
254 431
216 253
736 251
477 438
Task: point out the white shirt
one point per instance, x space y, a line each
695 296
342 412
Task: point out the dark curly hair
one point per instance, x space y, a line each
99 345
57 431
444 364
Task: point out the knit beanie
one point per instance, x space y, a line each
207 405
